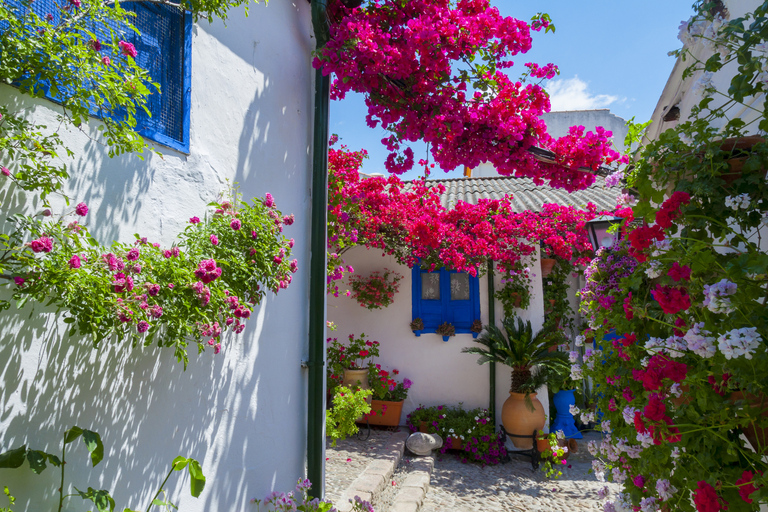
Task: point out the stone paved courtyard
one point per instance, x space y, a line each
458 487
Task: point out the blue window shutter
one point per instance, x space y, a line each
459 313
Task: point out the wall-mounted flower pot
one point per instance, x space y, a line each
741 146
547 264
446 338
417 333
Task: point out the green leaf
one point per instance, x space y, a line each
72 434
197 479
101 499
179 463
161 503
13 458
93 442
36 460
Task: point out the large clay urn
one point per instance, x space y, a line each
356 378
518 419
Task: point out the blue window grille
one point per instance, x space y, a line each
164 46
445 296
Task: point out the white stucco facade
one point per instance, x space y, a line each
440 372
241 413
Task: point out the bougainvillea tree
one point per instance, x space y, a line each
683 388
434 70
192 292
409 222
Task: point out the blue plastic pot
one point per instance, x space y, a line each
564 419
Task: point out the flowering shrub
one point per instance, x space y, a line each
448 60
685 377
195 291
385 387
376 291
474 428
350 356
411 224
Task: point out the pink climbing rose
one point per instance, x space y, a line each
127 49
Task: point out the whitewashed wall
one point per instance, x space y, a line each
440 372
241 413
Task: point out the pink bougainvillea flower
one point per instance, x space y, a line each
236 224
214 240
142 326
269 201
95 44
18 281
127 49
194 220
106 61
74 262
207 271
5 171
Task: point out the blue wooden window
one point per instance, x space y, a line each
164 48
445 296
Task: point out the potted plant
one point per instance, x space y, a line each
377 290
348 364
553 453
521 350
563 390
388 396
446 330
348 405
417 325
516 292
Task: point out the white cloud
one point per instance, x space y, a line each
572 94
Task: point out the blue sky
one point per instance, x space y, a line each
611 54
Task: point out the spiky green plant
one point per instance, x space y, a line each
522 350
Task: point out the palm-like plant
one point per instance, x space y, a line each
521 350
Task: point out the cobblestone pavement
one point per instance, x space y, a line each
458 487
349 459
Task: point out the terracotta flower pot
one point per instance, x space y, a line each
423 427
736 164
547 264
519 420
453 443
542 444
517 299
356 378
385 413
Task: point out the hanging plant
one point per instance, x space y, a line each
417 324
377 290
446 330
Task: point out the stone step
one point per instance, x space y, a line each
411 492
377 474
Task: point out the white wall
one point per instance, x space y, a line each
440 372
242 412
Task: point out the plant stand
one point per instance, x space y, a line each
367 433
533 453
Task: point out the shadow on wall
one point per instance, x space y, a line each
223 410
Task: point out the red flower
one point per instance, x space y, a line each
628 339
628 312
746 485
364 353
706 499
672 300
678 272
655 409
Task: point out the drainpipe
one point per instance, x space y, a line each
316 363
492 321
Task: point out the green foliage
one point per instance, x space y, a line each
516 292
553 458
348 406
521 350
11 500
14 458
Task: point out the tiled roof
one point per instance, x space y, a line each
525 194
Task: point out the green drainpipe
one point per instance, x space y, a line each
492 321
316 363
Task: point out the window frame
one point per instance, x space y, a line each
445 300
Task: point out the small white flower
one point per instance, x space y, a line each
648 504
573 356
580 339
740 201
573 409
665 489
654 270
599 469
629 414
703 85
